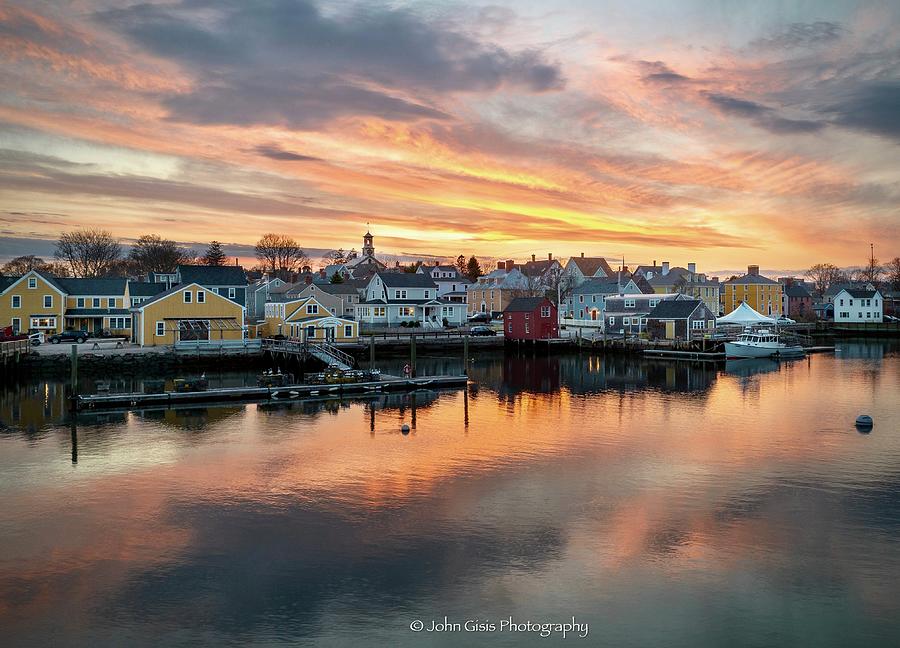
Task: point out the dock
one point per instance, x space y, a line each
138 400
709 356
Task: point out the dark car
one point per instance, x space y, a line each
69 336
482 330
480 317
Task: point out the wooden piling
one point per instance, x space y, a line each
412 355
372 352
74 371
466 354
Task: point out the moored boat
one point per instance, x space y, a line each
761 344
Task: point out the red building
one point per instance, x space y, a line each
530 318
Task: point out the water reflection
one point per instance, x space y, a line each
677 504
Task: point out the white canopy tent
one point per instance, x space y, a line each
744 315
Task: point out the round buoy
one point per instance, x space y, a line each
864 422
404 428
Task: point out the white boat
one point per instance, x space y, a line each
761 344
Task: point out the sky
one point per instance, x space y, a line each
721 133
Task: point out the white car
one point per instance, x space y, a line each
786 320
36 338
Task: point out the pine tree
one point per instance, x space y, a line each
473 269
461 265
214 255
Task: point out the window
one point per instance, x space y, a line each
96 302
527 327
427 294
626 321
48 301
43 322
348 330
697 324
79 303
580 299
510 326
188 296
380 311
310 332
119 323
312 309
160 329
612 320
16 324
629 303
201 296
111 302
32 282
17 301
406 311
232 293
653 302
545 311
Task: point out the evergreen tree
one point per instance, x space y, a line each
461 265
473 269
214 256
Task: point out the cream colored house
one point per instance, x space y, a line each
188 314
308 319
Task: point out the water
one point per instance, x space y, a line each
663 504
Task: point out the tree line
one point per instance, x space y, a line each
825 275
97 253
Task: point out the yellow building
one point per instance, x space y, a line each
760 293
308 319
32 302
188 314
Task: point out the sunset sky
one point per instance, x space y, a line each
724 133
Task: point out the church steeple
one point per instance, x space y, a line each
368 249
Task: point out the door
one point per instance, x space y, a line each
329 334
670 330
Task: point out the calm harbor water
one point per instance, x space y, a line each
662 504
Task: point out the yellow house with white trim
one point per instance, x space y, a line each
188 314
308 319
762 294
35 301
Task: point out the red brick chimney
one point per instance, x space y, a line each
753 270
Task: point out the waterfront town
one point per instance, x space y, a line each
160 295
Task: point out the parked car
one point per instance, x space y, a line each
785 320
891 318
69 336
37 338
480 317
482 330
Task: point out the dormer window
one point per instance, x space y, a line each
32 282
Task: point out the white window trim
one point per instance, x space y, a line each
201 296
161 325
13 299
32 283
44 301
187 296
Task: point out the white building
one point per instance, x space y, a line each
392 298
858 305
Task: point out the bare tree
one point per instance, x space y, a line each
892 270
871 272
334 257
280 253
151 253
823 276
22 264
89 253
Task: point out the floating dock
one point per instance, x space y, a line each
276 394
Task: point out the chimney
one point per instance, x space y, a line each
532 257
322 274
582 255
665 268
436 263
550 256
654 263
501 265
692 268
307 278
753 270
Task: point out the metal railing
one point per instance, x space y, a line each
333 352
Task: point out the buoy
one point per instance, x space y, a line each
404 428
864 422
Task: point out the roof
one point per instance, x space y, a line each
676 276
405 302
175 289
797 291
144 288
589 265
213 275
598 286
524 304
745 314
6 282
93 286
752 279
346 287
860 293
406 280
674 309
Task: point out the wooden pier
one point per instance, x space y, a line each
251 394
